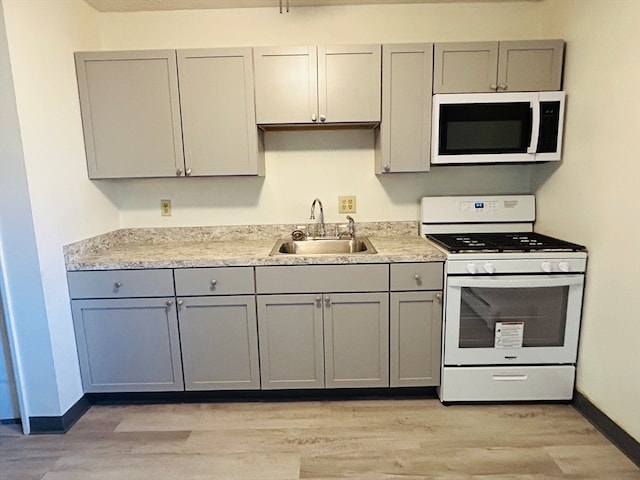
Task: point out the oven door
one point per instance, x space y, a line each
523 319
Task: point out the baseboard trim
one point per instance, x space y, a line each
261 395
616 435
11 421
63 423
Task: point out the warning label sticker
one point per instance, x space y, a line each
509 334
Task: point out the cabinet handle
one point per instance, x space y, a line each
502 86
387 168
318 301
178 172
323 118
327 301
187 172
169 304
213 284
493 86
439 297
314 118
180 302
117 285
417 277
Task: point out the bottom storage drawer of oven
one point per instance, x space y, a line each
495 384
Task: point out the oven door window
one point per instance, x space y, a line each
539 313
484 128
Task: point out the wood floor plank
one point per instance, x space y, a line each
365 440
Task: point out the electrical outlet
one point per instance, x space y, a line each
346 204
165 208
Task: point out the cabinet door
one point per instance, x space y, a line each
530 66
219 339
404 141
356 332
291 342
349 83
128 345
130 113
218 113
465 67
415 330
286 84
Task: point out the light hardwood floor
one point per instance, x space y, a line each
364 439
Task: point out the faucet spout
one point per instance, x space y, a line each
321 219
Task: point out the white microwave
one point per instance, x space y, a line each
497 127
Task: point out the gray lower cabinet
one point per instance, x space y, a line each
415 324
312 339
218 328
128 345
356 340
291 341
219 340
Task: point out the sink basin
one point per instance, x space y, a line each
323 247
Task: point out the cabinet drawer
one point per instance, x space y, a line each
322 278
120 283
214 281
416 276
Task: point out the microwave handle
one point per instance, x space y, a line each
535 126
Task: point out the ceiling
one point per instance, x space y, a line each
151 5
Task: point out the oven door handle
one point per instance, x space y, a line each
530 281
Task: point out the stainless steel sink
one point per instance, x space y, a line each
323 247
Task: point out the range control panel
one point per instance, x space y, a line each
473 209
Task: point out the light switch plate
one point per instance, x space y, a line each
165 208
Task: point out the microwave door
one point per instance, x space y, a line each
485 128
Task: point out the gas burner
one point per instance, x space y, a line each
502 242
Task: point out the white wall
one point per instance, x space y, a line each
594 197
304 165
65 206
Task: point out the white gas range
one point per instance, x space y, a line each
512 303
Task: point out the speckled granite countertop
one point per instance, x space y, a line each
182 247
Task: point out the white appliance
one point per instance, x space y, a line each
497 127
512 303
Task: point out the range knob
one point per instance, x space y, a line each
472 268
564 266
489 268
546 267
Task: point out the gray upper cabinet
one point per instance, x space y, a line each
513 66
403 142
218 113
130 113
315 85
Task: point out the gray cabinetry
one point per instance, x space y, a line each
130 113
218 113
356 339
415 324
514 66
126 344
291 341
137 106
218 328
321 329
325 84
404 140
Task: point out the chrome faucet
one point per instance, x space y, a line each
313 216
352 226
